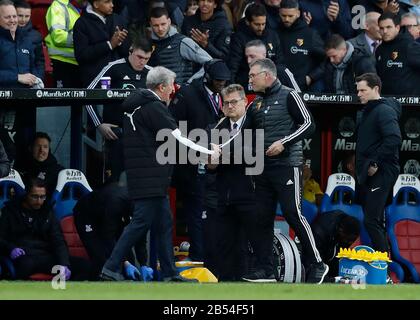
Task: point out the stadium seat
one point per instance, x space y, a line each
11 186
403 224
309 211
71 186
340 195
75 245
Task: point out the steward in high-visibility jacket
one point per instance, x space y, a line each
61 17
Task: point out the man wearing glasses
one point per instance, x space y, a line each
126 73
411 22
235 214
283 116
31 237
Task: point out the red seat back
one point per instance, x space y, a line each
41 277
408 238
75 245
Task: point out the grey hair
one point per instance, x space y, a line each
266 65
411 15
6 3
159 75
234 88
255 43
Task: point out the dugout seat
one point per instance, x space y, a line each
10 187
309 211
340 195
403 224
71 186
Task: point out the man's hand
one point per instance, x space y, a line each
16 253
27 78
214 158
106 131
202 38
67 272
307 17
332 11
308 80
372 170
275 149
118 37
131 271
393 7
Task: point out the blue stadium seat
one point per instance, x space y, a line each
10 187
403 224
71 186
340 195
309 211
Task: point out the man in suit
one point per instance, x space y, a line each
370 38
236 208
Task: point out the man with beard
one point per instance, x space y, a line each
199 105
252 27
32 238
397 58
302 47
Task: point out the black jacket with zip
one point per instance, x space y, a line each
378 138
37 232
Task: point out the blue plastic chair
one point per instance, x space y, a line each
11 186
340 195
403 224
309 211
71 186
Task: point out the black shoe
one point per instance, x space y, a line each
108 275
179 278
259 276
317 273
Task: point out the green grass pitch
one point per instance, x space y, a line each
207 291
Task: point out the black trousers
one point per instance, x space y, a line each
66 75
99 240
27 265
210 229
284 185
374 194
235 228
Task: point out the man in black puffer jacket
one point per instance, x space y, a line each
281 113
210 28
31 236
149 171
377 154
